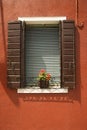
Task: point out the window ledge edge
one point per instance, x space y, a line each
52 90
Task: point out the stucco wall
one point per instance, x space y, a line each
44 111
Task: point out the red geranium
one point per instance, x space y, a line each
48 76
42 71
43 75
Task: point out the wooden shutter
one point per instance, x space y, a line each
68 53
13 56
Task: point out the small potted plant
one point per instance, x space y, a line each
44 78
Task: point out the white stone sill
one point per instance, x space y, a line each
42 20
39 90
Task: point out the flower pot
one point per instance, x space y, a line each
44 83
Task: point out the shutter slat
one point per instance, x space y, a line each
68 45
10 65
13 57
13 52
14 84
13 71
14 78
13 46
14 39
14 26
14 33
68 53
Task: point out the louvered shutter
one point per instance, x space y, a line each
68 53
13 56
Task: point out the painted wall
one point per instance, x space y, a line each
44 111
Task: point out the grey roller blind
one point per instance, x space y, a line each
42 52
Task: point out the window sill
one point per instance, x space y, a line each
38 90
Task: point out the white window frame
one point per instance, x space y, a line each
42 20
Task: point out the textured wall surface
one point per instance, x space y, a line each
45 111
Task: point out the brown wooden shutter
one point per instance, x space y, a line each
13 56
22 56
68 53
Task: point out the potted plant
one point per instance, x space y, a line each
44 78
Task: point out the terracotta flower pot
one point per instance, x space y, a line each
44 83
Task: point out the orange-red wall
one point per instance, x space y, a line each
44 111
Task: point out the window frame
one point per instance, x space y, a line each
55 81
34 20
49 20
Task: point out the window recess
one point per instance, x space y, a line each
17 69
42 52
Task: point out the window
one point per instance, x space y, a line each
53 43
42 52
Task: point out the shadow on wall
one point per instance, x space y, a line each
14 97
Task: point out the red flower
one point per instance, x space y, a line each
43 75
48 76
42 71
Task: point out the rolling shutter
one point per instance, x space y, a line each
13 56
42 52
68 53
